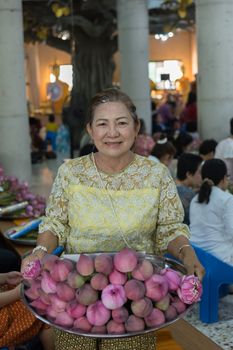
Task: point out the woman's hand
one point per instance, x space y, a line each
13 277
32 257
192 264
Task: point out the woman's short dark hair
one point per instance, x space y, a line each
187 163
213 172
182 141
207 146
161 149
112 95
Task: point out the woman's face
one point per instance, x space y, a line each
113 129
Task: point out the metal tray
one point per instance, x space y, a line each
23 240
157 262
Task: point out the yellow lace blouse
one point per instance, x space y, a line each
145 205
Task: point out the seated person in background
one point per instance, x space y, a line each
143 142
188 180
51 131
17 323
211 219
207 149
163 151
224 151
183 143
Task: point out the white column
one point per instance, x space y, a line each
214 21
14 126
133 37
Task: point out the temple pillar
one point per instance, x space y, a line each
133 34
14 125
214 22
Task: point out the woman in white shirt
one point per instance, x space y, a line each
211 212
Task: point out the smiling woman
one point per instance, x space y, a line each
111 199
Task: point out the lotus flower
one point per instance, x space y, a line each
125 260
134 289
113 296
83 324
115 328
155 319
163 303
57 304
48 285
142 307
173 278
38 304
76 310
75 280
170 313
64 319
97 314
104 264
33 292
120 315
32 269
117 277
134 324
143 270
65 292
190 290
48 261
156 287
85 265
86 295
178 304
61 270
99 281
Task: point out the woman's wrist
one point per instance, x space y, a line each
183 249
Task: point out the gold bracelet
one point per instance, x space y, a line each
183 246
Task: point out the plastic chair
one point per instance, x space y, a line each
218 276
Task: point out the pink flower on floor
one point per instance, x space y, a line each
190 289
32 270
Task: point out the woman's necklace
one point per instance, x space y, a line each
110 200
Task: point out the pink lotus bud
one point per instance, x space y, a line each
65 292
143 270
104 264
64 319
97 314
120 315
170 313
33 292
134 324
60 270
173 278
76 310
99 330
38 304
163 303
48 285
190 290
82 324
115 328
142 307
48 261
178 304
155 319
156 287
32 270
86 295
85 265
45 298
51 313
58 304
134 289
113 296
117 277
125 260
99 281
75 280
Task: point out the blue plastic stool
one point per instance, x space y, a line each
218 276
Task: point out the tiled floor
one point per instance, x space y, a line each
220 332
